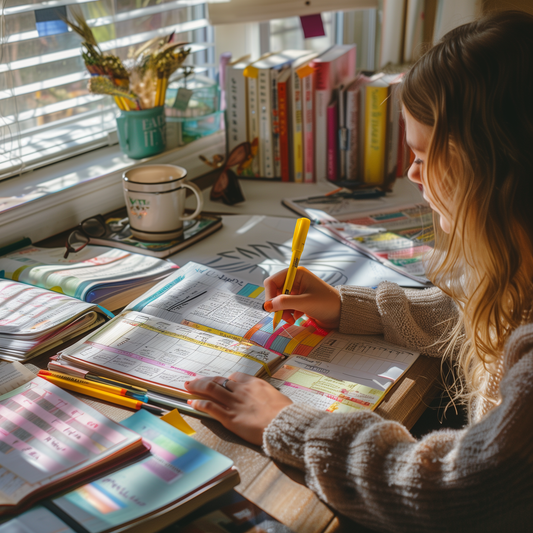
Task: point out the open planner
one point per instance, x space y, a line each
203 322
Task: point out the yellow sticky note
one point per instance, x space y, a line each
176 420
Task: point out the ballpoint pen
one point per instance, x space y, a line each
298 242
102 395
342 194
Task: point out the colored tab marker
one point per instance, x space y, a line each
176 420
312 26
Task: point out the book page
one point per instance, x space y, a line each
350 376
206 298
27 310
367 360
152 350
177 466
13 375
46 433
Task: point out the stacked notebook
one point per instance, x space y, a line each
50 440
46 300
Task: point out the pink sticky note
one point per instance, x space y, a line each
312 26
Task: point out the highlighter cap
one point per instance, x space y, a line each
300 234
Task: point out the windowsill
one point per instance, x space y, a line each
46 201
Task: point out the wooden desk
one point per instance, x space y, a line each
263 197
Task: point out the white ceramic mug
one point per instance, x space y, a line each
155 200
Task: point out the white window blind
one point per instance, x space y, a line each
46 111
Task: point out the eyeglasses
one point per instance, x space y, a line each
81 236
95 226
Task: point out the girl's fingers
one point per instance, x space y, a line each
241 377
297 315
288 316
274 284
210 388
211 408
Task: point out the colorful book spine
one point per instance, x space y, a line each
297 129
393 133
236 105
333 140
323 91
352 121
375 134
284 124
266 153
251 74
343 132
276 152
307 76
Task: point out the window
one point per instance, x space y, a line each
361 27
46 111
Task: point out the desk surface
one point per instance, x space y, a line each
264 197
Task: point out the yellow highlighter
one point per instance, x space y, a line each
298 242
101 394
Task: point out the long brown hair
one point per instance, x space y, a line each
475 90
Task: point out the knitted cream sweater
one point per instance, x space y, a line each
372 470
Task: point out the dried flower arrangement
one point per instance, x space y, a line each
141 84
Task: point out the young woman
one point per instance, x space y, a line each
468 107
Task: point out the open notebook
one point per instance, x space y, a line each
33 320
203 322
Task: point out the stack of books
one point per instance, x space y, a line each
311 117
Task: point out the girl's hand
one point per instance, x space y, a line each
310 295
245 405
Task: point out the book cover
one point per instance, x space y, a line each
376 118
284 124
334 67
236 103
333 139
177 466
297 112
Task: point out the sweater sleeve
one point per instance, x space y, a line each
372 470
418 319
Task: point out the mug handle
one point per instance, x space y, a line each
199 198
